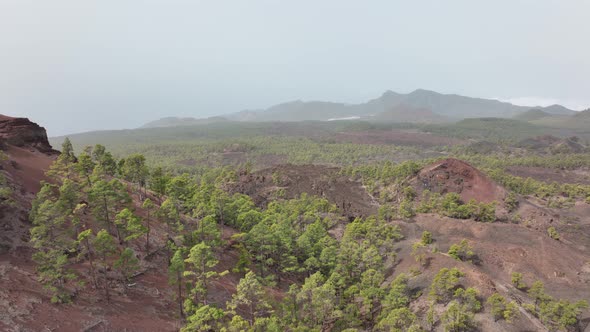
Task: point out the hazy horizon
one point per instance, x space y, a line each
74 67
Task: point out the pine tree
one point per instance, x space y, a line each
63 167
250 294
175 273
51 237
105 247
398 320
85 167
502 309
169 213
102 199
136 171
444 284
104 159
69 196
127 264
316 300
148 205
106 199
67 152
457 318
158 182
208 231
200 262
131 224
85 239
205 319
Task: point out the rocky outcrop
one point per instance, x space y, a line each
22 132
27 155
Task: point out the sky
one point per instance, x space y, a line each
74 66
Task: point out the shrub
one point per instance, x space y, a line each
502 309
406 210
469 298
426 237
444 284
461 251
553 233
457 318
517 280
511 202
485 212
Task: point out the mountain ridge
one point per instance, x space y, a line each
449 106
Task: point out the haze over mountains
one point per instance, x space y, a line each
419 106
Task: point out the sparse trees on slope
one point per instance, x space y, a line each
561 314
444 284
502 309
51 237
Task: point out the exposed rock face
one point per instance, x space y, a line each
453 175
21 132
28 156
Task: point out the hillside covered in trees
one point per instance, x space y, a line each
149 230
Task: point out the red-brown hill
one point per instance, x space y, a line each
290 181
453 175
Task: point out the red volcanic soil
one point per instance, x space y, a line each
145 306
453 175
27 167
396 137
28 156
350 196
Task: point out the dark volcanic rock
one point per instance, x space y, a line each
22 132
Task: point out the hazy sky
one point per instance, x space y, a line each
79 65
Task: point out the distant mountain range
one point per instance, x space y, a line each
420 106
175 121
578 120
